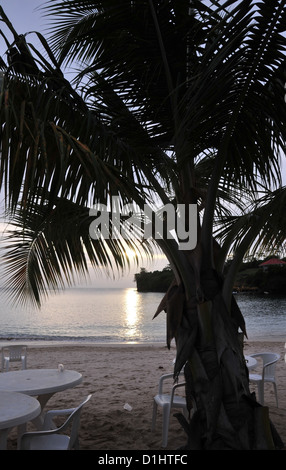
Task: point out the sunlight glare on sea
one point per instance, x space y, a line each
123 316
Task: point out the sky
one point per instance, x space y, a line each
26 16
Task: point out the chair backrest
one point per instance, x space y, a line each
73 421
269 364
163 378
14 353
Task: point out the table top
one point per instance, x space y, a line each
250 362
17 408
36 382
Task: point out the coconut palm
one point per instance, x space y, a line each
175 102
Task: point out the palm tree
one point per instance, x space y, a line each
176 102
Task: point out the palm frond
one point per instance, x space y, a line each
47 248
263 222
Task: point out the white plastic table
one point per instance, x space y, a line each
251 362
40 383
15 410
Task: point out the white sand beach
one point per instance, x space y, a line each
120 374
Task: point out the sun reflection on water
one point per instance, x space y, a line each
132 315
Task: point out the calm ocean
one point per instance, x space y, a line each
122 316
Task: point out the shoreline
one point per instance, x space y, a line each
64 342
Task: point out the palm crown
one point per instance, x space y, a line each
161 110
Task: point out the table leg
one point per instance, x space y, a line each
43 400
3 438
39 421
21 429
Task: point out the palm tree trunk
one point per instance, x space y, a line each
224 414
217 380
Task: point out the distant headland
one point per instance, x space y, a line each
257 276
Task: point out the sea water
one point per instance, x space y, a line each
122 316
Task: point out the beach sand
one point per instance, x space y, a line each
121 374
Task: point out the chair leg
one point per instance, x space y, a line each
260 387
155 406
186 413
165 430
276 394
76 444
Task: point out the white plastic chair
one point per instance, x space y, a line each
52 439
167 402
15 353
267 375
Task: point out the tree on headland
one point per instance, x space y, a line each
176 102
156 281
